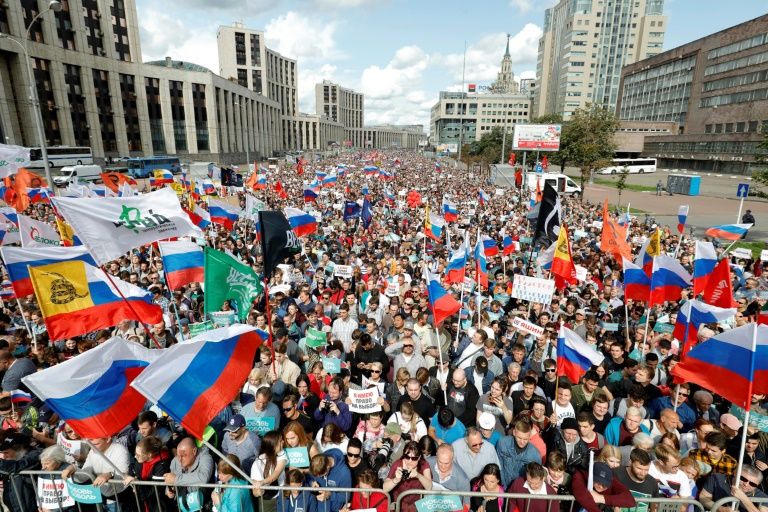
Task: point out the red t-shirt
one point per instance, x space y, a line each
409 502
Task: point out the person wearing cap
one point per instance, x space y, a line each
479 375
17 456
607 491
485 424
96 463
730 425
241 442
565 439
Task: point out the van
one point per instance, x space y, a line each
70 173
199 170
560 182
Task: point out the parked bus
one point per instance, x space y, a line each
60 156
143 167
634 166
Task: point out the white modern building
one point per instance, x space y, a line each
95 91
585 45
344 106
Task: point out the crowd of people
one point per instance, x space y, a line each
473 404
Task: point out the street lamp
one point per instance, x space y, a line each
55 6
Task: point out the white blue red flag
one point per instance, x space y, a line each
704 261
183 263
668 279
693 314
302 223
574 355
682 218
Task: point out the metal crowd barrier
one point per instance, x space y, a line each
159 489
731 501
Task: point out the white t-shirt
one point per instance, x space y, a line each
257 470
563 412
671 484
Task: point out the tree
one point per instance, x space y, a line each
621 183
761 157
587 139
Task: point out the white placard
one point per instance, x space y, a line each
597 224
499 191
71 447
527 327
742 253
380 386
344 271
364 400
581 273
764 255
393 289
51 493
533 289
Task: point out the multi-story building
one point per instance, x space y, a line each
341 105
389 136
244 58
316 132
713 90
95 91
585 45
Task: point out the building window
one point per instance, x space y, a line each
707 128
120 30
31 9
152 89
256 76
728 127
242 77
130 111
255 50
92 21
752 126
76 105
240 48
104 109
719 128
740 127
176 90
64 27
48 109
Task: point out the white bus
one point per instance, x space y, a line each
634 165
60 156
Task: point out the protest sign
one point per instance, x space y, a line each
83 493
393 289
764 255
450 503
315 338
344 271
610 326
52 494
364 400
297 457
581 273
533 289
663 328
260 425
527 327
71 447
223 318
332 365
199 327
742 253
380 386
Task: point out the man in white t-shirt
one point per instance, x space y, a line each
666 470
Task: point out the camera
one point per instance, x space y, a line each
326 404
406 474
382 454
316 493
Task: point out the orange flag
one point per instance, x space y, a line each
252 179
114 180
23 181
280 190
613 239
563 267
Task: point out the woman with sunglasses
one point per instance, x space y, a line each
411 471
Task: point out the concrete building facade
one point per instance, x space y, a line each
341 105
95 91
585 45
713 90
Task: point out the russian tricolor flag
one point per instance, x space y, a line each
693 314
223 213
730 364
668 279
301 222
20 397
370 170
481 264
450 211
330 180
183 263
731 232
482 196
456 268
574 355
195 380
385 175
309 195
199 217
704 261
19 259
637 284
91 392
208 188
490 247
389 196
441 302
433 226
682 217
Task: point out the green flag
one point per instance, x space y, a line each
228 279
315 337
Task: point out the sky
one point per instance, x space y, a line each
399 53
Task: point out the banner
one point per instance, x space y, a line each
533 289
52 494
199 327
527 327
344 271
331 365
297 457
228 279
450 503
364 400
110 227
539 137
84 493
37 234
260 425
315 338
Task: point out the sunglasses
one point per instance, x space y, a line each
407 346
412 457
550 370
353 455
684 394
748 481
287 409
375 371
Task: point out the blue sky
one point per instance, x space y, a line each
400 53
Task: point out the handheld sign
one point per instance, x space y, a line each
364 400
451 503
297 457
527 327
332 365
260 425
533 289
344 271
83 493
53 492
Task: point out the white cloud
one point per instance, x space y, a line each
308 77
521 5
163 35
300 37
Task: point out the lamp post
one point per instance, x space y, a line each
53 5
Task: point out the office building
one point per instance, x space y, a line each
713 90
341 105
585 45
95 91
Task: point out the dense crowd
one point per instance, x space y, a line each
473 404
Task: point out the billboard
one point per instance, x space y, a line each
450 147
537 137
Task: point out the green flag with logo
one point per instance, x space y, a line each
315 337
229 279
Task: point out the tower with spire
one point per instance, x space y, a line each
505 79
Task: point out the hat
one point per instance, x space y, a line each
235 422
569 424
409 324
487 421
580 312
481 362
730 421
393 429
602 474
13 441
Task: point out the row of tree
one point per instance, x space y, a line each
586 142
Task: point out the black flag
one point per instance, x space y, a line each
278 241
548 221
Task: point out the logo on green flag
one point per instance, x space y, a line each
229 279
315 337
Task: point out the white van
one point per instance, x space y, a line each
68 174
562 183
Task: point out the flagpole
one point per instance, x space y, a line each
440 351
130 306
748 406
685 344
26 324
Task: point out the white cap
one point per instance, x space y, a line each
487 421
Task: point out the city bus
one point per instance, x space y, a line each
60 156
633 165
143 167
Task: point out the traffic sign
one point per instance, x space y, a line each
743 190
539 168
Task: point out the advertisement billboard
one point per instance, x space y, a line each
537 137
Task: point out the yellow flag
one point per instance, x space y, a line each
61 287
66 232
654 245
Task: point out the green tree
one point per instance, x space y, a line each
587 139
621 183
761 157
